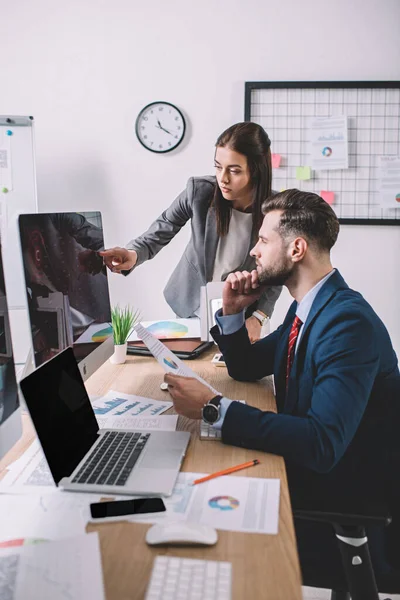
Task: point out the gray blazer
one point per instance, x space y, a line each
195 268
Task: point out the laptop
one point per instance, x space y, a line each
83 458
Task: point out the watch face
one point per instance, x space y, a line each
160 127
210 413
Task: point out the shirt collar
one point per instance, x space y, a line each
305 305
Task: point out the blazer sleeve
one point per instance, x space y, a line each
346 361
165 227
267 301
246 361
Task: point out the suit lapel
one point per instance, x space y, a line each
325 294
210 243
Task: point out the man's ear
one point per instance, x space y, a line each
298 249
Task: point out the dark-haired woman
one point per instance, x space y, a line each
225 215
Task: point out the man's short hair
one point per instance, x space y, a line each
305 214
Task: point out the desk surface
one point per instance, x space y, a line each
264 566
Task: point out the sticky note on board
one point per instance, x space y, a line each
329 197
303 173
276 160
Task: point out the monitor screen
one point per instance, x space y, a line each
66 283
10 420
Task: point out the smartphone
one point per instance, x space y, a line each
107 511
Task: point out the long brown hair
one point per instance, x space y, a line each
252 141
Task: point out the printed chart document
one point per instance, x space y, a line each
164 423
170 329
247 504
389 181
116 404
65 569
169 362
329 143
29 474
30 517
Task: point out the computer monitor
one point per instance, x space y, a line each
67 287
10 412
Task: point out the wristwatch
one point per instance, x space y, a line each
260 317
210 411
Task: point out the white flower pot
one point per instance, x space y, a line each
119 356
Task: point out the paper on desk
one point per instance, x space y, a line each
44 516
164 423
170 329
128 405
169 361
58 570
29 474
247 504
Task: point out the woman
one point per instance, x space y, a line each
225 215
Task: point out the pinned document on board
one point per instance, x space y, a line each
389 181
329 143
6 182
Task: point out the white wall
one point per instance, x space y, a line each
84 69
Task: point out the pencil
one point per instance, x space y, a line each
245 465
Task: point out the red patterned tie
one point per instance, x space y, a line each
294 332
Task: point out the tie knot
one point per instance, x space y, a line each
297 322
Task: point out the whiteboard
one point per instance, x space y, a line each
19 179
16 138
372 108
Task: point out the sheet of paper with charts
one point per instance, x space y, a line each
65 569
246 504
115 404
169 362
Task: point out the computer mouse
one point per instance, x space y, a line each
182 533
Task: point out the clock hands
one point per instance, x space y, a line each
163 128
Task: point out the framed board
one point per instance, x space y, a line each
372 108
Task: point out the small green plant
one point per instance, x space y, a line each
123 321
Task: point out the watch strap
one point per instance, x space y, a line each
216 401
260 317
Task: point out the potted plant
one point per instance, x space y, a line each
123 321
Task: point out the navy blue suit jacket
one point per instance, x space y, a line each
342 404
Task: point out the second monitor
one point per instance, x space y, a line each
67 287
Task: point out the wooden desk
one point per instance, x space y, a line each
264 566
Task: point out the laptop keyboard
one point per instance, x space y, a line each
113 459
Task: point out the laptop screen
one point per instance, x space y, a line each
61 412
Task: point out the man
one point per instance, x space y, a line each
336 376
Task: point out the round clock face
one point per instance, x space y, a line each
160 127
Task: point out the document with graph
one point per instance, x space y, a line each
169 361
117 404
69 568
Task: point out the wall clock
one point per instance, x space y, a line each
160 127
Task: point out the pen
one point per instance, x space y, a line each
251 463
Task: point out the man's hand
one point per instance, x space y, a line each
119 259
253 326
189 395
240 290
